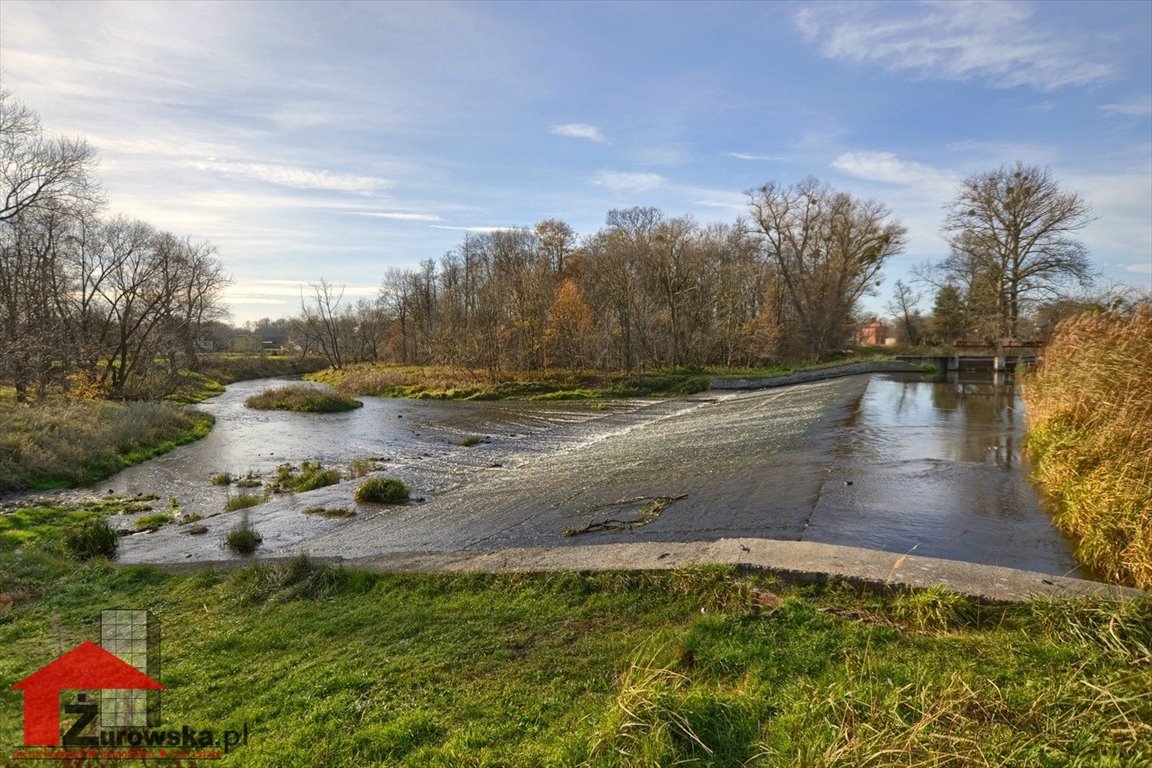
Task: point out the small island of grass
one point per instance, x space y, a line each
301 398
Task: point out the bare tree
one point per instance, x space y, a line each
904 307
36 168
828 248
1014 228
321 313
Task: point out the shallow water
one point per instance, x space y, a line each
890 462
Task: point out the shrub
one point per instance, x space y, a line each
222 479
303 399
382 490
92 538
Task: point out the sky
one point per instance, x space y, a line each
331 140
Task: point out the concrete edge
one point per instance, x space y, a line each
795 561
804 377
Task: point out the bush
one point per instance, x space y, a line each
92 538
303 399
382 490
222 479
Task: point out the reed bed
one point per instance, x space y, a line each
1090 412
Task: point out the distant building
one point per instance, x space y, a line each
873 333
247 344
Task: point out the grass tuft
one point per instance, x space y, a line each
243 538
382 490
92 538
243 500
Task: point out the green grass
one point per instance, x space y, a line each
309 476
243 500
302 399
382 490
609 669
73 442
153 522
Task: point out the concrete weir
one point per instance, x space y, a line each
799 561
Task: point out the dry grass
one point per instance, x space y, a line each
1090 408
71 442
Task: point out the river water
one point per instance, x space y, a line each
894 462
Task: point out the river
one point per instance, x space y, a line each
894 462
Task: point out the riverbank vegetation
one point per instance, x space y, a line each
77 442
710 665
1090 410
303 399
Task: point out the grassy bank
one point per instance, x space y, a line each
1090 414
72 442
708 666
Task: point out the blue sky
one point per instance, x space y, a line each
333 140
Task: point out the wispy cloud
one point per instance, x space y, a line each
482 229
1141 105
887 168
397 215
296 178
748 156
621 181
579 131
999 43
1140 269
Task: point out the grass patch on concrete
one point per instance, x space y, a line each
382 490
301 398
309 476
708 666
243 500
73 442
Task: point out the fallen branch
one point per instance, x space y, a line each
648 514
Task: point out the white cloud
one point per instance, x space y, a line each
1140 105
886 167
1140 269
579 131
296 178
999 43
620 181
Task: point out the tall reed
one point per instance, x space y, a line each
1090 413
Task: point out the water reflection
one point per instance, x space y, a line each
938 467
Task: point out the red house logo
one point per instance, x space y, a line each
87 666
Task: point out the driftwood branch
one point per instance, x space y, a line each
656 505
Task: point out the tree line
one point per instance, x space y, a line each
107 306
782 282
